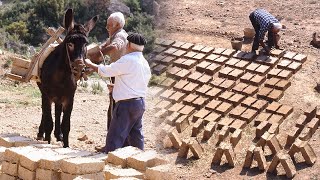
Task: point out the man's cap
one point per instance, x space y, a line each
137 39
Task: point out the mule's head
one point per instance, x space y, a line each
76 42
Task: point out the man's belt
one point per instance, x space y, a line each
131 99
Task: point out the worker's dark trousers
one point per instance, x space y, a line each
111 105
126 124
256 27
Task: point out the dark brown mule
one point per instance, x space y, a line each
59 75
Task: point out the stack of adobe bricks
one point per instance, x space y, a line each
51 162
221 90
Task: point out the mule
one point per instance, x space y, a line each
59 74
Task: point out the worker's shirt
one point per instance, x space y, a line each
119 40
132 75
265 20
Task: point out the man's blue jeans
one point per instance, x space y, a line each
126 125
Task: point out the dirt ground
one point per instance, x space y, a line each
210 22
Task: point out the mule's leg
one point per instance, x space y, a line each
65 125
46 124
57 127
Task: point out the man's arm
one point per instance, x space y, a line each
107 50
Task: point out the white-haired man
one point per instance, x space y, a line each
114 47
263 22
132 75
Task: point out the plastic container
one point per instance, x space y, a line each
249 33
236 43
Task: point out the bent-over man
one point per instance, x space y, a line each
262 22
132 75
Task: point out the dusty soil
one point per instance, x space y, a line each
211 23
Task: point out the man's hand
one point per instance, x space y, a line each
91 65
87 62
110 87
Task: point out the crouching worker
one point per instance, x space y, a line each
262 22
132 75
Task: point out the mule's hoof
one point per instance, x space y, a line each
39 138
59 137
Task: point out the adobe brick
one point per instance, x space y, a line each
204 79
249 115
194 76
9 168
275 95
212 117
257 80
240 87
252 67
225 95
246 77
199 56
250 90
172 118
271 61
159 57
209 129
259 157
313 125
283 85
242 64
190 54
264 116
184 148
259 105
217 81
188 64
189 99
239 54
249 156
274 128
183 74
235 74
262 70
288 165
305 149
207 49
272 82
166 42
310 112
115 173
44 174
85 165
277 52
159 69
223 133
179 53
235 137
225 71
187 110
248 101
237 124
295 67
212 57
203 89
200 102
177 97
230 154
200 114
170 51
228 52
190 87
213 93
273 144
292 134
182 123
171 72
273 107
285 110
284 64
275 118
167 60
305 134
224 108
285 74
216 160
274 163
120 156
202 66
263 93
289 55
197 126
301 121
179 61
175 108
160 172
318 112
144 160
224 122
227 84
232 62
263 139
237 111
212 105
195 148
273 73
212 69
166 94
300 58
221 60
262 128
168 83
26 174
175 139
218 51
198 47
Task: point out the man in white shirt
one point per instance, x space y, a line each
132 75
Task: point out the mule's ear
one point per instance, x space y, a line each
90 24
68 20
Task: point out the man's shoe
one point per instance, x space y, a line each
100 149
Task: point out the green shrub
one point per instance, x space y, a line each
96 88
